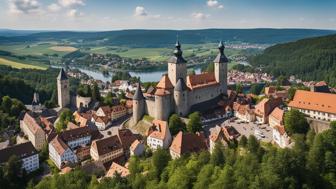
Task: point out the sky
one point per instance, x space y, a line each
97 15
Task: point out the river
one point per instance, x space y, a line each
144 76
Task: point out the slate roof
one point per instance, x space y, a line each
138 95
177 58
62 75
180 85
221 58
21 151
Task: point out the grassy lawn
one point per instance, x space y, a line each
19 65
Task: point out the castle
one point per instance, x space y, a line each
180 93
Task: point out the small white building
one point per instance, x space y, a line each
60 153
159 136
280 136
80 136
25 152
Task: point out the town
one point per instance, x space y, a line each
181 114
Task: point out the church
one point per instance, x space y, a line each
180 93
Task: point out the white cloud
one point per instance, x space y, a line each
140 11
199 15
69 3
54 7
74 13
214 4
23 6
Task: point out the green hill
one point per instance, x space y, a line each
308 59
163 38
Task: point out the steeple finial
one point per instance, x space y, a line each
221 47
177 51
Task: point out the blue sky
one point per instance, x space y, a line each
166 14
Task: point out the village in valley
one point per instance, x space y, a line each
181 113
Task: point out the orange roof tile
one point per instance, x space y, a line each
161 129
116 168
201 80
277 114
280 129
187 143
31 123
59 145
165 83
322 102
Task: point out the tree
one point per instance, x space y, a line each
65 117
217 156
256 88
6 104
291 93
95 92
176 124
243 141
253 144
194 125
160 160
295 122
239 88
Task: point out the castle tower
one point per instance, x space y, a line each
181 98
163 98
177 67
220 64
63 89
138 104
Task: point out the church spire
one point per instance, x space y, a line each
221 58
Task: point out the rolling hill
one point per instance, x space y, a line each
160 38
309 59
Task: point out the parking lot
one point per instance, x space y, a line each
247 129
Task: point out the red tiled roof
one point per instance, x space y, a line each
165 83
31 123
322 102
116 168
107 145
201 80
59 145
188 143
161 129
278 114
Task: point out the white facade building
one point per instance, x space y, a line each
160 137
60 153
25 152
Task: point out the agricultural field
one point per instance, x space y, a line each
20 65
37 49
162 54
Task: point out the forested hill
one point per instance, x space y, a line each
309 59
157 38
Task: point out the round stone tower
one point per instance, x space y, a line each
220 64
63 89
181 98
138 104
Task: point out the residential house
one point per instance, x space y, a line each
216 136
74 138
230 133
117 169
276 117
280 136
126 138
320 106
31 128
118 111
101 122
60 153
159 135
244 112
264 108
25 152
184 143
106 149
137 148
83 119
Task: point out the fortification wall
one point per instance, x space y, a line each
203 94
150 107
